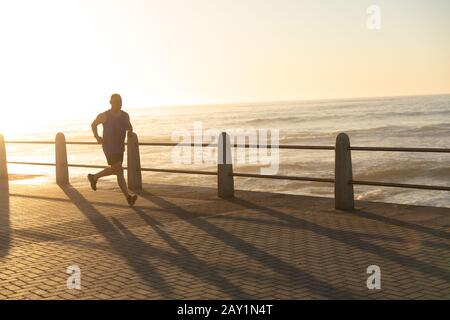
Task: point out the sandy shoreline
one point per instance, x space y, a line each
15 177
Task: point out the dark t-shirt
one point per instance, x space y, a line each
114 132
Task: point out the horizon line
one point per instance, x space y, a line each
253 102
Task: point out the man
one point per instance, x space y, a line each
115 125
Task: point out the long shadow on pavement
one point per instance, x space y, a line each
121 245
404 224
349 239
141 250
193 265
185 260
282 224
5 227
296 277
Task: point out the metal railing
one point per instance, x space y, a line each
343 180
172 144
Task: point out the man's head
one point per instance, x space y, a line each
116 101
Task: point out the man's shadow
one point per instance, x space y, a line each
125 246
189 262
5 227
137 252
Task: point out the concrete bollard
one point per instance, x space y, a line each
3 161
343 188
62 169
134 174
225 181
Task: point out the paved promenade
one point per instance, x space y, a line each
185 243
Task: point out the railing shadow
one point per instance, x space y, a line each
55 199
42 234
121 245
5 227
136 258
193 265
349 239
290 226
404 224
297 277
185 259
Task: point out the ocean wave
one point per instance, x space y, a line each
375 194
404 172
274 119
402 130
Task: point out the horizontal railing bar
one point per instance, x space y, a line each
211 173
395 149
400 185
52 164
280 177
29 142
82 143
281 146
174 144
298 147
125 168
50 142
88 166
250 175
32 163
163 144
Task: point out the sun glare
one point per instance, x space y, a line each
15 123
63 59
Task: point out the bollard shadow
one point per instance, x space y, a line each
99 203
187 261
404 224
349 239
282 224
122 239
127 247
5 227
297 277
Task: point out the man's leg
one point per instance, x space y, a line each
93 178
104 173
118 170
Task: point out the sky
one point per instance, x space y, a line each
61 58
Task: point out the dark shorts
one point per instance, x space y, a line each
114 158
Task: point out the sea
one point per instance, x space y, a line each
416 121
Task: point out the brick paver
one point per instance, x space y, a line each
185 243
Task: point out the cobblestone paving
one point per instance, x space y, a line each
185 243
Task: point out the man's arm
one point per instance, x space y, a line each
100 119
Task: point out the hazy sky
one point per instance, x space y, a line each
66 55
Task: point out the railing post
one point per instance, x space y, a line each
134 173
225 181
343 188
3 161
62 168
